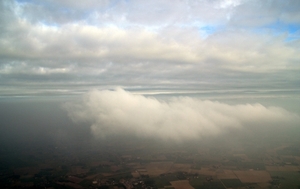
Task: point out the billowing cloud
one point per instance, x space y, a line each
120 112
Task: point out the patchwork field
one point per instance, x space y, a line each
157 168
214 168
176 167
226 174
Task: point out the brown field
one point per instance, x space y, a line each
157 168
135 174
226 174
180 167
253 176
74 179
142 171
115 168
283 168
134 165
181 184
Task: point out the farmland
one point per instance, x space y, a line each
148 165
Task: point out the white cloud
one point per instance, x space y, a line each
119 112
228 3
239 50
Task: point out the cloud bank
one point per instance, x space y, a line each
120 112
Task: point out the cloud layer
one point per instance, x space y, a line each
120 112
65 45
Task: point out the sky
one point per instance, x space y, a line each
112 52
64 47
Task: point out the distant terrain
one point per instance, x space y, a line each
128 163
42 148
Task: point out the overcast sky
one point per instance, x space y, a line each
70 47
